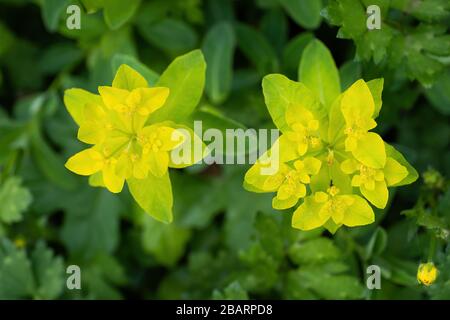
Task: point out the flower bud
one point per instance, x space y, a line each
427 273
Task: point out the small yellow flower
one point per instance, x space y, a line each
427 273
289 181
304 131
373 182
332 207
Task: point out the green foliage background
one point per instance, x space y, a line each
225 242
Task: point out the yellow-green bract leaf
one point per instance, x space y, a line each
394 172
118 59
127 78
76 99
280 93
371 151
376 88
305 12
337 122
218 48
331 226
357 102
359 213
412 173
307 217
319 73
378 196
117 12
185 77
154 195
284 204
190 152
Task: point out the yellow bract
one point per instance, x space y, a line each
114 122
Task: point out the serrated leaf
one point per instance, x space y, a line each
16 275
91 224
14 200
314 251
48 271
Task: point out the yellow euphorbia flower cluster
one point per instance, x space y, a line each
134 128
330 163
114 122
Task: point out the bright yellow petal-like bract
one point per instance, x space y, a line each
331 168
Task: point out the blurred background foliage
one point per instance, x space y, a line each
225 243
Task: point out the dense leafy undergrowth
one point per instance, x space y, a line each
224 242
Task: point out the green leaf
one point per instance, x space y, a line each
154 196
218 48
274 25
314 251
7 39
305 12
197 207
256 48
16 275
91 223
119 59
14 200
376 244
439 94
48 271
118 12
349 73
59 57
185 77
167 243
233 291
319 73
93 5
293 51
52 11
329 286
49 162
101 277
172 36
